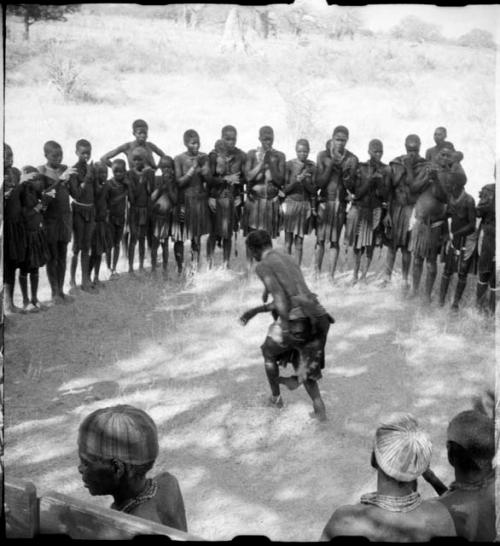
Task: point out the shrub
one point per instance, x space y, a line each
413 28
477 38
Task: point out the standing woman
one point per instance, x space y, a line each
300 198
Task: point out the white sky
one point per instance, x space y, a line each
454 21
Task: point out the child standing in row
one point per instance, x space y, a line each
37 251
141 182
57 217
192 174
300 198
14 232
82 187
101 238
163 200
117 207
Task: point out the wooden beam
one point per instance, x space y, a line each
62 514
21 509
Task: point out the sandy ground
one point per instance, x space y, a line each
176 350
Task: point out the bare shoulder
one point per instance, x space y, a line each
322 156
348 520
438 517
167 481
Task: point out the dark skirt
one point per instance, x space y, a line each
262 214
116 233
161 225
400 232
305 351
83 228
224 220
102 238
331 216
361 225
15 241
138 221
196 217
37 250
426 239
58 229
486 250
297 217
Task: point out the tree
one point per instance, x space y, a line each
347 24
413 28
477 38
32 13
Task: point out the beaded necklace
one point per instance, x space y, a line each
147 493
393 504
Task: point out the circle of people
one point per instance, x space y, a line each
414 204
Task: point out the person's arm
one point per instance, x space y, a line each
173 505
431 478
324 171
204 169
290 185
362 185
122 149
154 148
182 179
277 167
422 180
251 170
349 173
470 227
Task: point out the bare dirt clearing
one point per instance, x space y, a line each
177 351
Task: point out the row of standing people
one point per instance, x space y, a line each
404 205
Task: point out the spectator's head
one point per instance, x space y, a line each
266 137
376 149
53 153
487 197
340 136
8 156
140 130
166 165
401 450
101 170
471 442
257 241
83 150
302 149
139 156
119 168
440 135
412 145
229 136
444 157
116 445
192 141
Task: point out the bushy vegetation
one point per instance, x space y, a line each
413 28
477 38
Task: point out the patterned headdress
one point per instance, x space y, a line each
402 450
121 432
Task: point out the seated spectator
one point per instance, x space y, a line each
471 497
395 512
117 447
